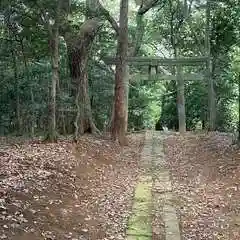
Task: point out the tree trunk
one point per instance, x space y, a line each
211 92
17 95
54 45
118 129
132 51
79 47
54 50
178 72
83 121
33 117
138 38
18 115
239 108
32 112
126 81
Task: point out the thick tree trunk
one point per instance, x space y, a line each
78 68
132 51
79 47
119 127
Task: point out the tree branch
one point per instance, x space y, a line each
96 9
87 32
138 37
140 25
146 7
110 19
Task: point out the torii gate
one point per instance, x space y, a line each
179 62
175 62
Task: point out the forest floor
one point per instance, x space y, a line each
205 172
86 191
61 191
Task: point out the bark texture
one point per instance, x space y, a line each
239 108
118 129
54 50
211 91
52 135
132 50
79 46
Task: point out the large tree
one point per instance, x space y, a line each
132 50
118 129
79 47
34 89
53 31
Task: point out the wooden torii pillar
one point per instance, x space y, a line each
178 62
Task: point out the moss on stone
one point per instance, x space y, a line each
140 224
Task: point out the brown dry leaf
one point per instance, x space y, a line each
59 191
206 179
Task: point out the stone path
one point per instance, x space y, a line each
153 214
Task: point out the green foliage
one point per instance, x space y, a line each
144 103
25 66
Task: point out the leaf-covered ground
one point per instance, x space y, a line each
206 177
60 191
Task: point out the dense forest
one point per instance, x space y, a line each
117 119
57 78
